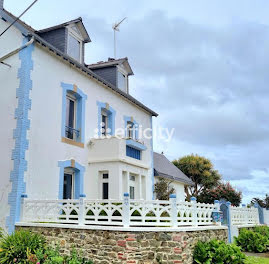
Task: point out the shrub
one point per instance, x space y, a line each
217 252
252 241
263 230
49 256
222 191
20 247
75 258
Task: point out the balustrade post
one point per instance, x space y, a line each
194 211
81 214
173 202
23 197
126 210
216 213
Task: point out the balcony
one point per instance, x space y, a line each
115 149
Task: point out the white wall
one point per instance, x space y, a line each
266 216
46 148
9 82
179 190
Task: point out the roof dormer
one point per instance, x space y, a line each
116 72
69 37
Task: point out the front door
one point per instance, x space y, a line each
68 186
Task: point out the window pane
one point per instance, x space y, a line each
68 186
104 125
130 129
73 48
132 178
70 112
70 118
105 176
105 190
132 192
121 81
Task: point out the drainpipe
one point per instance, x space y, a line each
16 50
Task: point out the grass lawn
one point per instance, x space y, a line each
254 260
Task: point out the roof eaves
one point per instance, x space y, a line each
77 20
187 182
28 31
92 74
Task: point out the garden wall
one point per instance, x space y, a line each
132 246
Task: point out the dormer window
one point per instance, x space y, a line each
122 81
74 47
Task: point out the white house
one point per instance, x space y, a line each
163 168
61 119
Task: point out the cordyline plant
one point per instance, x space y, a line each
264 203
163 189
223 191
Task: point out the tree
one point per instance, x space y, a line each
163 189
222 191
264 203
200 170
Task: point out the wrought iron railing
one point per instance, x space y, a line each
72 133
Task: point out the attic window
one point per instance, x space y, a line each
122 81
74 47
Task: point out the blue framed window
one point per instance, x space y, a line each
133 153
106 119
71 180
73 113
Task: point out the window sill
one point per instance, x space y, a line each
72 142
136 145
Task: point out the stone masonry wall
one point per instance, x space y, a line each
121 247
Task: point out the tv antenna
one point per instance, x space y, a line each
116 28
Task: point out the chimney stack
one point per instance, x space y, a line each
1 4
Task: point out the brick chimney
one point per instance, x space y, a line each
1 4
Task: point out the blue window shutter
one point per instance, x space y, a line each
133 153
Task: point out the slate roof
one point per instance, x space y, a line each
30 32
112 62
166 169
74 21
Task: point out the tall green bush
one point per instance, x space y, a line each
16 248
217 252
24 247
263 230
252 241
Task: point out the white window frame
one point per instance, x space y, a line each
74 34
74 99
104 113
130 130
132 183
106 180
70 171
126 79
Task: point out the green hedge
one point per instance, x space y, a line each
24 247
217 252
254 241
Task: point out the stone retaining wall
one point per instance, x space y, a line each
129 247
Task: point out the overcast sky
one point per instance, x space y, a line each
201 64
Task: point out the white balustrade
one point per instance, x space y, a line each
266 216
244 215
118 212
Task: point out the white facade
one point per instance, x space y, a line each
46 148
37 157
8 103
